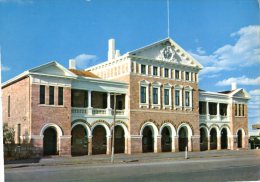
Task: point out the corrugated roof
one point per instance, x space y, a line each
84 73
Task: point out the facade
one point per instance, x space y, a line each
158 104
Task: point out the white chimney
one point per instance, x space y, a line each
111 49
233 86
117 54
72 64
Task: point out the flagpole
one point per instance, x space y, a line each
2 178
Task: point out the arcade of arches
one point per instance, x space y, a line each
98 140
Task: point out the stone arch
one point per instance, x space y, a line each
184 133
204 137
82 121
104 124
170 126
241 141
216 127
87 128
167 142
58 129
152 125
124 126
149 140
191 129
149 121
188 126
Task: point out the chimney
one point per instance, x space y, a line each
233 86
117 54
72 64
111 49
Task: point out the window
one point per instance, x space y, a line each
177 74
143 69
239 109
143 94
243 110
9 105
155 71
191 77
155 95
187 98
166 72
51 95
236 110
60 96
166 97
42 94
187 74
79 98
177 97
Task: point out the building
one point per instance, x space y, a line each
159 107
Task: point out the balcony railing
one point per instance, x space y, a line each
205 117
96 111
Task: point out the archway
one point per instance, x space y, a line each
166 140
183 138
213 139
239 139
79 141
99 140
203 139
119 139
50 141
148 140
224 138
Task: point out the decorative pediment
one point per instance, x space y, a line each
166 50
52 68
241 93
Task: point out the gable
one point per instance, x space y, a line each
52 68
241 93
166 50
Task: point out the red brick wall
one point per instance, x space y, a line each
19 93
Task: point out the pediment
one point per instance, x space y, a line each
52 68
166 50
241 93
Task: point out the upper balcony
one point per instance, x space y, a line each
86 103
213 112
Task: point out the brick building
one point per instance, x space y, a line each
159 107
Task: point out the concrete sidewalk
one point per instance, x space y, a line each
123 158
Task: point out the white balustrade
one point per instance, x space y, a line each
96 111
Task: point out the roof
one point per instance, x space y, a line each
225 92
84 73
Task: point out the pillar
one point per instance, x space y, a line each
190 144
65 145
208 142
218 114
109 142
158 148
109 110
89 103
176 143
136 144
195 139
207 110
90 145
37 142
218 142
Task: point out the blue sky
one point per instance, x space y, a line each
223 35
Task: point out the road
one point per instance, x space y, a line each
206 169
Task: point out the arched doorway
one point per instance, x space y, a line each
119 140
79 141
239 139
166 140
224 138
99 140
213 139
183 138
50 141
203 139
148 140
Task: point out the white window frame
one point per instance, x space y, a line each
188 80
146 69
179 74
188 89
145 84
169 73
168 87
156 85
180 88
158 71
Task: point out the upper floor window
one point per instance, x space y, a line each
60 96
155 96
177 74
177 97
187 98
143 94
42 94
51 95
155 71
143 69
239 110
187 75
9 106
166 97
166 72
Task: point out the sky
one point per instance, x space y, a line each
223 35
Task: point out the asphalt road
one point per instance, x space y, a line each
246 168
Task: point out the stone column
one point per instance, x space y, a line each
109 142
90 145
195 143
136 144
190 144
65 145
208 142
245 142
89 103
109 110
218 142
126 145
207 110
126 104
218 114
176 143
158 148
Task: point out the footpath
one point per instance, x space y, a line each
124 158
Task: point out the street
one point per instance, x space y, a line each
242 168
